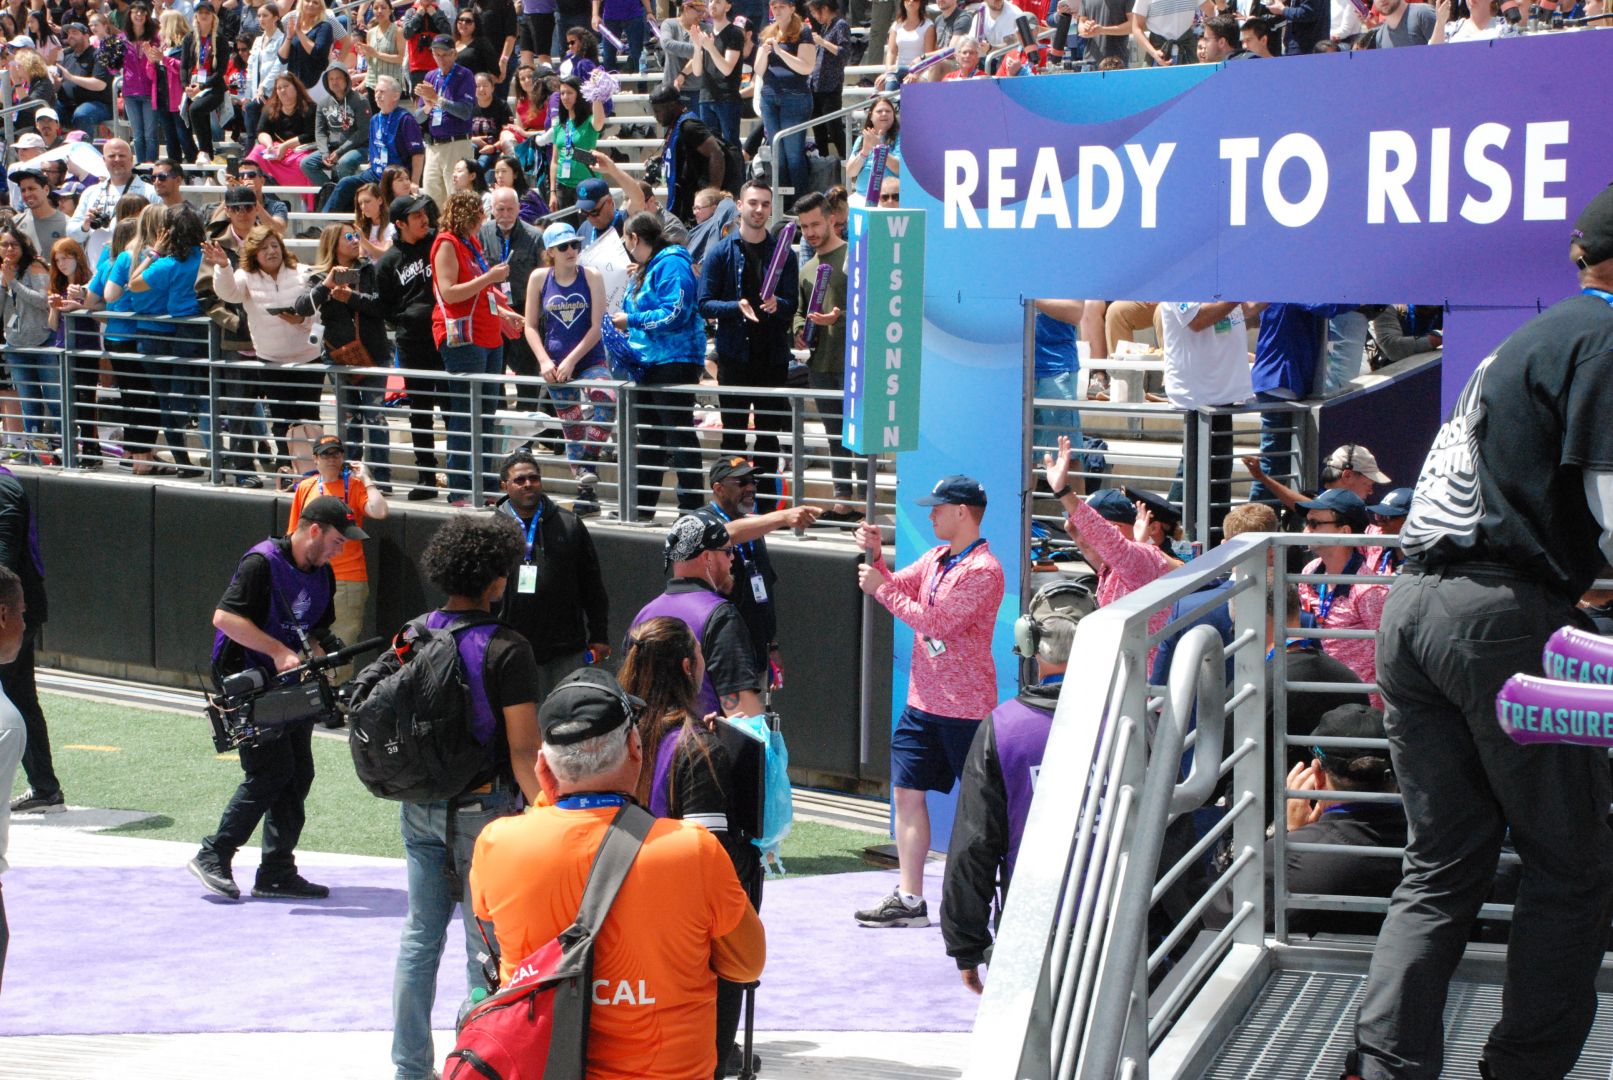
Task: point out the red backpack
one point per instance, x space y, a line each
536 1028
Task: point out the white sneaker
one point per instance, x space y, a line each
203 159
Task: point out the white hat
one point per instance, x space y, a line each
30 141
47 112
21 41
1358 458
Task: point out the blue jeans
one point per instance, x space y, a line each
143 119
341 200
89 116
780 111
1346 345
37 377
723 118
431 906
469 360
313 166
631 32
1276 450
1049 424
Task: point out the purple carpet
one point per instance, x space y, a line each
112 951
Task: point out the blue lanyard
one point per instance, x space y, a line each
1386 561
748 547
1327 594
1053 680
948 563
505 240
591 801
1601 294
389 128
1304 643
531 527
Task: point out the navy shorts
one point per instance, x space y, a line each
928 751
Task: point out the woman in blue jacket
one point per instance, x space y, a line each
664 326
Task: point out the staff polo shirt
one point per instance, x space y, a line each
958 610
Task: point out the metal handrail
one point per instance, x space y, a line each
845 110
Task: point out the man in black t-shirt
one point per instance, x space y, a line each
1511 521
691 157
753 331
469 559
733 505
403 278
84 93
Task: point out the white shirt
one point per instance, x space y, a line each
1464 30
103 195
1002 26
1169 19
1205 367
13 738
1346 19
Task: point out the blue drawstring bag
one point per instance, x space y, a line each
625 362
778 808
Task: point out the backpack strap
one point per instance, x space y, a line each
623 839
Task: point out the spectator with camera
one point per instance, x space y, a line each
468 558
276 612
91 223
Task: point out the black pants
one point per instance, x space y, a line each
1445 645
200 109
137 398
830 132
831 413
731 995
424 395
665 433
537 34
17 679
278 776
772 415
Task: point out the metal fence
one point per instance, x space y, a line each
161 395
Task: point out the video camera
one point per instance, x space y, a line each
252 707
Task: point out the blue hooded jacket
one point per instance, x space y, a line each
663 320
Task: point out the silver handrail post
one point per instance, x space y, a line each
797 453
626 452
475 441
64 390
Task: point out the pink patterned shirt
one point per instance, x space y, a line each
1359 609
958 609
1127 564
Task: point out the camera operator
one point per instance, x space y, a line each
282 590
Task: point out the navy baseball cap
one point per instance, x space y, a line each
955 490
590 193
1112 505
1395 504
1162 508
1346 504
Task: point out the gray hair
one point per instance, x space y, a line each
1057 637
382 82
574 763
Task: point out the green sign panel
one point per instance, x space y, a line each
884 335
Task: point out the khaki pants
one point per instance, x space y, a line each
436 179
351 599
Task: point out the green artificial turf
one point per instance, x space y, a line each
163 763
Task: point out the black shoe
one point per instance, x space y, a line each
735 1066
247 480
215 875
585 504
293 887
422 494
30 803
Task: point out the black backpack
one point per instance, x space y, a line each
409 718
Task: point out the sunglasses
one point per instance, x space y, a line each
250 175
160 176
569 245
883 199
353 236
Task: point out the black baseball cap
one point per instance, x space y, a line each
328 444
28 172
331 512
729 467
442 41
1362 764
1163 509
587 703
1112 505
1593 229
955 490
404 205
692 536
240 196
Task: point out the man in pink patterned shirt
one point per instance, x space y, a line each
949 596
1343 607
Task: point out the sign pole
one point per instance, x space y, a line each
865 694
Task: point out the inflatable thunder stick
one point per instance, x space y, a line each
775 265
820 286
930 61
876 174
615 42
1574 705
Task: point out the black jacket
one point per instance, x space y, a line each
362 315
977 872
569 609
18 553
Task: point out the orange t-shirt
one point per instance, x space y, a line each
654 1013
348 564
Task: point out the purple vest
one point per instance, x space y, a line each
694 609
472 644
1021 733
297 598
661 781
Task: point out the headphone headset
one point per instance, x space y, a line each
1067 601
